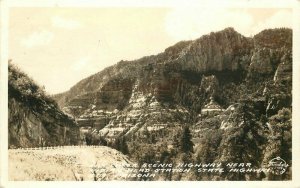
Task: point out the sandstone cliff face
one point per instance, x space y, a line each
261 61
225 50
33 118
169 89
270 49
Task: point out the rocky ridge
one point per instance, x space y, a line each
169 89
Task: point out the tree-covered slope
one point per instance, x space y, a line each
34 118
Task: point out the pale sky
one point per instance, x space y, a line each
58 47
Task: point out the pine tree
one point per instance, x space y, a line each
120 144
241 143
89 138
124 147
117 144
146 155
280 141
102 141
186 144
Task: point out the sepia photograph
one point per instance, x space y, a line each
149 93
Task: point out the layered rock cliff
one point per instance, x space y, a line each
34 119
229 89
198 83
184 76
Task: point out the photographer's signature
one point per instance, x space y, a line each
278 166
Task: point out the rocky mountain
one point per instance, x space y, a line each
34 119
226 87
183 77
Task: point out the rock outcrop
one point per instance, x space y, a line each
34 119
170 89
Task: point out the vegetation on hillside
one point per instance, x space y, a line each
34 117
